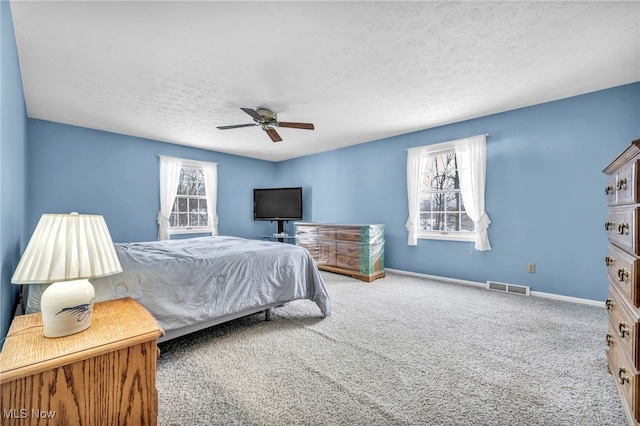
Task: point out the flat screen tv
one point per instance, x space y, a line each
277 204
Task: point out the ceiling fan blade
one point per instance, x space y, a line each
275 137
307 126
253 113
236 126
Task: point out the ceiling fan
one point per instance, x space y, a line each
268 119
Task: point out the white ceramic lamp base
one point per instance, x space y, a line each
66 307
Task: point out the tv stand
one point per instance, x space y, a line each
281 230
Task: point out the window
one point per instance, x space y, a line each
188 197
445 188
442 213
189 210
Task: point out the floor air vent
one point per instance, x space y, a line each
508 288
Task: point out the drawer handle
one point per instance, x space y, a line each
608 304
608 225
608 190
621 183
623 330
609 340
622 228
622 376
608 261
622 274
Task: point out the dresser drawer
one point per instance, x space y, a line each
610 190
626 184
348 262
621 227
311 245
623 327
348 249
626 378
307 231
623 270
348 234
326 233
326 253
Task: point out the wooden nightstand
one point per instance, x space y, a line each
105 375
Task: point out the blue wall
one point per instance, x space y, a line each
544 186
544 192
13 142
90 171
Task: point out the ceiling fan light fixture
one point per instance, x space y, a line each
267 115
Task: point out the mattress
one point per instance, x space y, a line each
189 281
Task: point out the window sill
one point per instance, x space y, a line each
447 236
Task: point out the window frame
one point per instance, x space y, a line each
429 151
186 230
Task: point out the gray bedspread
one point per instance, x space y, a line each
189 281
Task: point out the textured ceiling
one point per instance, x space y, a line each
360 71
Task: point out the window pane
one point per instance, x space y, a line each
438 202
203 218
466 223
438 222
453 201
425 221
183 220
425 204
453 222
190 207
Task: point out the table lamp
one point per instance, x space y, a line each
67 250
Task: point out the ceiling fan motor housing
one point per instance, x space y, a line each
269 116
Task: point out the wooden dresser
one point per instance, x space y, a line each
355 250
622 261
105 375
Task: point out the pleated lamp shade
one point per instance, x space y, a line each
67 250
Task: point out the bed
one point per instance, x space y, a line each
194 283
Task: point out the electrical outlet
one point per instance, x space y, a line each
531 267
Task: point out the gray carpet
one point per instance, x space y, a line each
398 351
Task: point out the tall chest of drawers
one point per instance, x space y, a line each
355 250
623 264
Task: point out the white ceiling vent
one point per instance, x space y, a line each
508 288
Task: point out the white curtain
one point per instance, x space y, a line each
210 171
471 154
414 170
169 178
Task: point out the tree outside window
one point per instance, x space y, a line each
441 206
190 207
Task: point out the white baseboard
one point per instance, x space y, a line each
483 285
